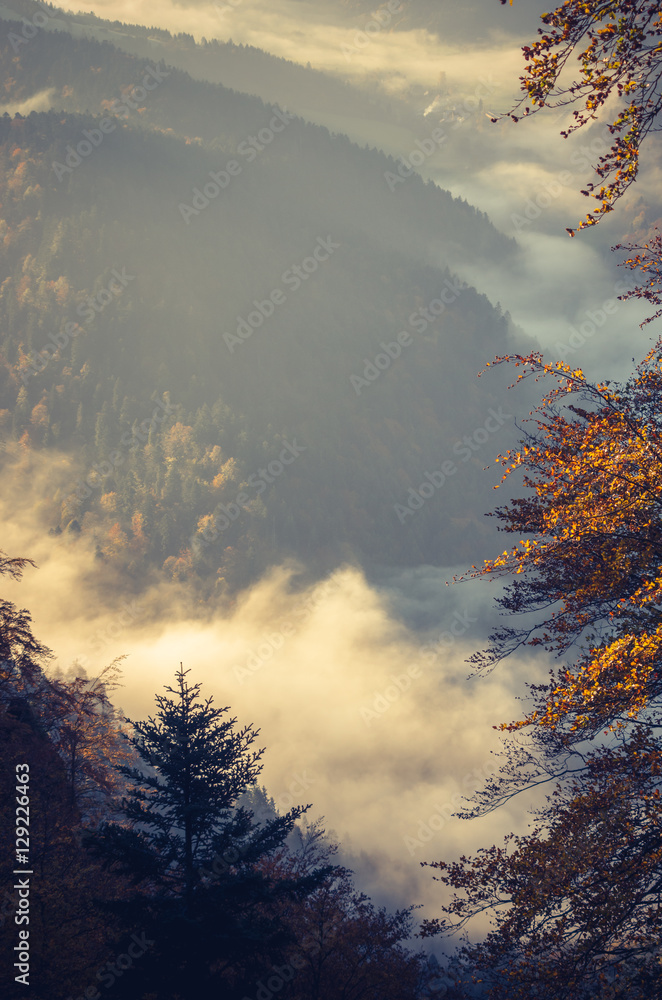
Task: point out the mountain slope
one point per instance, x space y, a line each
257 314
240 67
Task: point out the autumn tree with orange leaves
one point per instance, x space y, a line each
618 47
575 906
64 734
578 901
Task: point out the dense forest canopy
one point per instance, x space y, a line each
99 208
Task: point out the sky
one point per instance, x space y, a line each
310 666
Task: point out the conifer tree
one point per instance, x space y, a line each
197 766
204 895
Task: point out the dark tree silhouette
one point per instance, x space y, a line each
213 922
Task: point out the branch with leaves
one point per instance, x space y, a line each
618 48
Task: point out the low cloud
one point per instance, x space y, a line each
326 673
41 101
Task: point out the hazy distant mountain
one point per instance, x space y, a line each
262 308
244 68
453 21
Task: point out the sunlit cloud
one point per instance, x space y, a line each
359 718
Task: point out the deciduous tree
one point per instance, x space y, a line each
344 948
577 903
618 46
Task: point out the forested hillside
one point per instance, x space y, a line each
216 893
195 300
241 67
